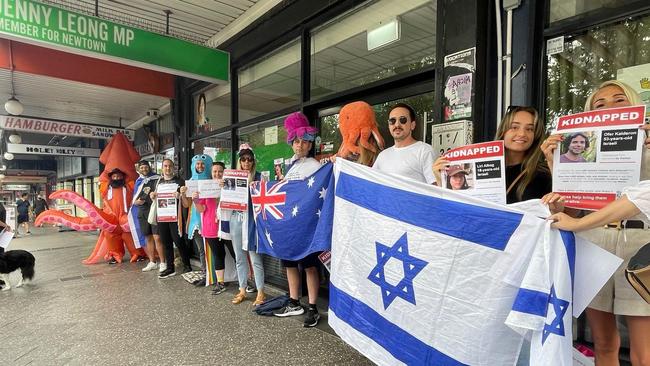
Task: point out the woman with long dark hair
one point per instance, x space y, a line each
522 132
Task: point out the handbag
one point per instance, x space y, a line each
152 219
637 272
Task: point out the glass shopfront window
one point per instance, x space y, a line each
270 84
373 42
269 142
330 139
620 51
562 9
218 147
211 109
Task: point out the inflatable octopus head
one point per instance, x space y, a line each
359 130
207 165
120 155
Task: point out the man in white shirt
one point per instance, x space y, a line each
408 157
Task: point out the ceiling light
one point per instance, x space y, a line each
15 139
14 106
9 156
383 34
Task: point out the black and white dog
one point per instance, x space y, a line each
13 260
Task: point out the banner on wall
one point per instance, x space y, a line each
49 127
459 74
458 97
599 156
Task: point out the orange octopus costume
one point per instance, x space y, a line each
112 220
357 124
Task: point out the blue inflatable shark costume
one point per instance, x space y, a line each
194 221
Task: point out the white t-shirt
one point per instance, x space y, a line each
302 168
640 196
414 161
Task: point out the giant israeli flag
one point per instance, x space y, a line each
425 276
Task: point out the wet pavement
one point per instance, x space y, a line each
103 314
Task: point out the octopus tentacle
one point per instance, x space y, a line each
58 217
101 219
125 227
98 252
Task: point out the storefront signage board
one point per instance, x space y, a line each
53 27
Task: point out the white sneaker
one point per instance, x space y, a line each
162 267
150 267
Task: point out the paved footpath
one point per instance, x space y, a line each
103 314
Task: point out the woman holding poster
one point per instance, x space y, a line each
244 234
170 225
522 132
617 297
208 209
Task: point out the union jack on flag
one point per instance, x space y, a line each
269 200
300 215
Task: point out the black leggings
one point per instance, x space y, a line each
168 232
218 247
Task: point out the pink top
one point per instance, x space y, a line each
209 227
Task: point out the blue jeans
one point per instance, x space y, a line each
240 254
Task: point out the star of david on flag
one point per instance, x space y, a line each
294 217
410 265
543 305
560 308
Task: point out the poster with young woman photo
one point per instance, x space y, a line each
477 170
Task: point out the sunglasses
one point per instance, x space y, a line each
246 159
402 120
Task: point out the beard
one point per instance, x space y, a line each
117 183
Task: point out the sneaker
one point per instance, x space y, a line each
167 273
292 309
112 261
250 289
162 267
311 319
150 267
218 289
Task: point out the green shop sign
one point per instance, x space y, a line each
52 27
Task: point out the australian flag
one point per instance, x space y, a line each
294 217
